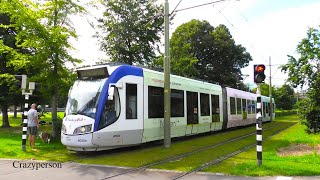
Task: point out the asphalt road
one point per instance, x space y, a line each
34 170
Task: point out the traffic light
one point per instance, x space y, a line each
259 75
21 81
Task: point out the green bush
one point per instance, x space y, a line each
285 112
309 114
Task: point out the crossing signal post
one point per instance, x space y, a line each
259 78
23 80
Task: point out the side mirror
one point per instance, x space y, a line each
110 92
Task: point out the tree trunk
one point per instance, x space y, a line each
55 123
54 102
15 111
5 118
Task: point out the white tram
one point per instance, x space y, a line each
112 106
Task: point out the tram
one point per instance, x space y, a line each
111 106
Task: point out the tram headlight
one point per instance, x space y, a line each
83 129
63 129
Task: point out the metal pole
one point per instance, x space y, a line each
259 127
167 106
270 94
25 122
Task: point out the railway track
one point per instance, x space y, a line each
216 161
184 155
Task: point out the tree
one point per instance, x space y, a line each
305 70
45 28
7 92
264 89
284 97
202 51
9 95
131 30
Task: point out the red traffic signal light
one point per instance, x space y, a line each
259 75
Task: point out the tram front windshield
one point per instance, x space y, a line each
83 97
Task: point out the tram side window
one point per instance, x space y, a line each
155 102
254 105
274 108
233 105
264 109
204 104
239 110
215 108
177 103
131 101
267 108
244 105
192 108
249 106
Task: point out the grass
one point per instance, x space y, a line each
242 164
11 141
272 164
138 157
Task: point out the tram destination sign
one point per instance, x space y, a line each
93 73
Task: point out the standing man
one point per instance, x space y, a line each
33 125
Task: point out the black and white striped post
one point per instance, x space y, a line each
259 127
26 107
25 122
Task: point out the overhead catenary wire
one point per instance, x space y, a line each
175 7
205 4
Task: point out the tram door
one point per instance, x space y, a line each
192 108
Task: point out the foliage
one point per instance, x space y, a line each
280 113
284 97
264 89
309 115
306 71
200 50
45 28
131 30
9 95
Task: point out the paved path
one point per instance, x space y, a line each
15 169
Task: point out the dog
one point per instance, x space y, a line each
45 137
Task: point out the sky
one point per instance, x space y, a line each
268 29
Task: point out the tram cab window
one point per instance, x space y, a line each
131 101
111 110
